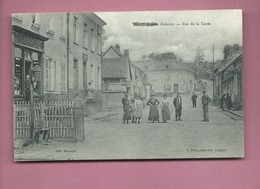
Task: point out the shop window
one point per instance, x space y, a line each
18 71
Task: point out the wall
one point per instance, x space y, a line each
182 78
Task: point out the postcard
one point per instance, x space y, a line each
128 85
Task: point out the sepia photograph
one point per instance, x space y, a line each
141 85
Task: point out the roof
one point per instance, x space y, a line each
228 62
164 65
95 17
113 48
114 68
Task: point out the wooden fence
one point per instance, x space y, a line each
56 116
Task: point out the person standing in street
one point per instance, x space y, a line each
166 115
138 109
153 113
177 102
228 101
194 100
205 105
126 109
223 102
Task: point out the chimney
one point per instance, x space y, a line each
118 47
126 53
236 47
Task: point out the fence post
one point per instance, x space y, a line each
78 112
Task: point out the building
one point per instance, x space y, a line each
168 76
120 76
66 50
229 78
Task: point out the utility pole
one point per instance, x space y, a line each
213 74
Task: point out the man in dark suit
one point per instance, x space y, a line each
177 102
205 105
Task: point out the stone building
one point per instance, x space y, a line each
120 76
168 76
66 50
229 78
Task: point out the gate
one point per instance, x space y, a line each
57 116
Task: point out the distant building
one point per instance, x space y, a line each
168 76
120 76
65 48
229 78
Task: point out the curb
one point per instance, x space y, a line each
241 116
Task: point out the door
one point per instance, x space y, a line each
175 88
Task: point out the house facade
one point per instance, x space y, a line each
120 76
229 79
168 76
66 50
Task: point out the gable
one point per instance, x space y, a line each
112 53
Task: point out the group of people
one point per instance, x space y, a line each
226 102
133 110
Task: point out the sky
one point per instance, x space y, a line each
222 27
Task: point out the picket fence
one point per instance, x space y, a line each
57 116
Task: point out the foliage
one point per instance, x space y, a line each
162 56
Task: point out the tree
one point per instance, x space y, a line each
227 50
199 64
162 56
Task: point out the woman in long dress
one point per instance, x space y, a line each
153 113
126 109
166 115
138 110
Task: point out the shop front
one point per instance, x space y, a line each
28 58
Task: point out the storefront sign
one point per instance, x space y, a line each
28 41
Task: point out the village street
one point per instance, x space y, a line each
108 138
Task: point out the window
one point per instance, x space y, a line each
48 74
76 75
167 76
76 30
92 74
18 71
63 25
54 76
99 40
85 82
85 35
167 66
99 78
51 24
93 39
62 76
35 21
167 87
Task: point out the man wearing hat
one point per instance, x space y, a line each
177 102
205 105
